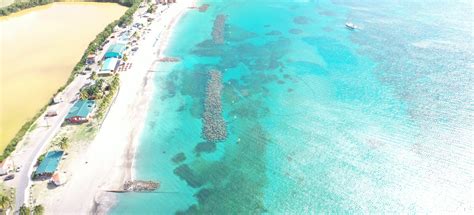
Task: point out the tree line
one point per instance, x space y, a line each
124 20
21 5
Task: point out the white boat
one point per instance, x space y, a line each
350 25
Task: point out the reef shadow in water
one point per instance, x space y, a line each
178 158
192 179
205 147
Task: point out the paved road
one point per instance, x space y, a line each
40 137
47 128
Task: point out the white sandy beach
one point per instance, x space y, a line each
107 162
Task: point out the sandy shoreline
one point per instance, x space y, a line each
109 160
148 89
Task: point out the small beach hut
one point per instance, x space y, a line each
81 111
109 66
115 51
58 179
49 164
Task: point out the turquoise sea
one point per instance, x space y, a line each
319 118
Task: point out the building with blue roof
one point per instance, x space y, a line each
49 164
115 51
81 111
109 66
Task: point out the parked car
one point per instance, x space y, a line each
9 177
51 113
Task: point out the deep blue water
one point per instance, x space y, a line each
320 119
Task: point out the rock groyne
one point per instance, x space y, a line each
218 29
214 125
169 59
140 186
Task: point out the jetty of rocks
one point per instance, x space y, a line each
169 59
214 125
218 29
140 186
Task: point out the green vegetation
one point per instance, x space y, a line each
7 197
63 143
95 91
83 132
40 158
24 210
19 5
94 76
107 100
5 202
38 210
151 9
124 20
33 127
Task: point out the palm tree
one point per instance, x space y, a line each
24 210
99 95
94 76
63 143
100 83
84 95
38 210
5 202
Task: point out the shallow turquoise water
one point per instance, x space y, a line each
320 119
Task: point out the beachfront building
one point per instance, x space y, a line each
109 67
81 111
91 59
49 164
115 51
6 166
